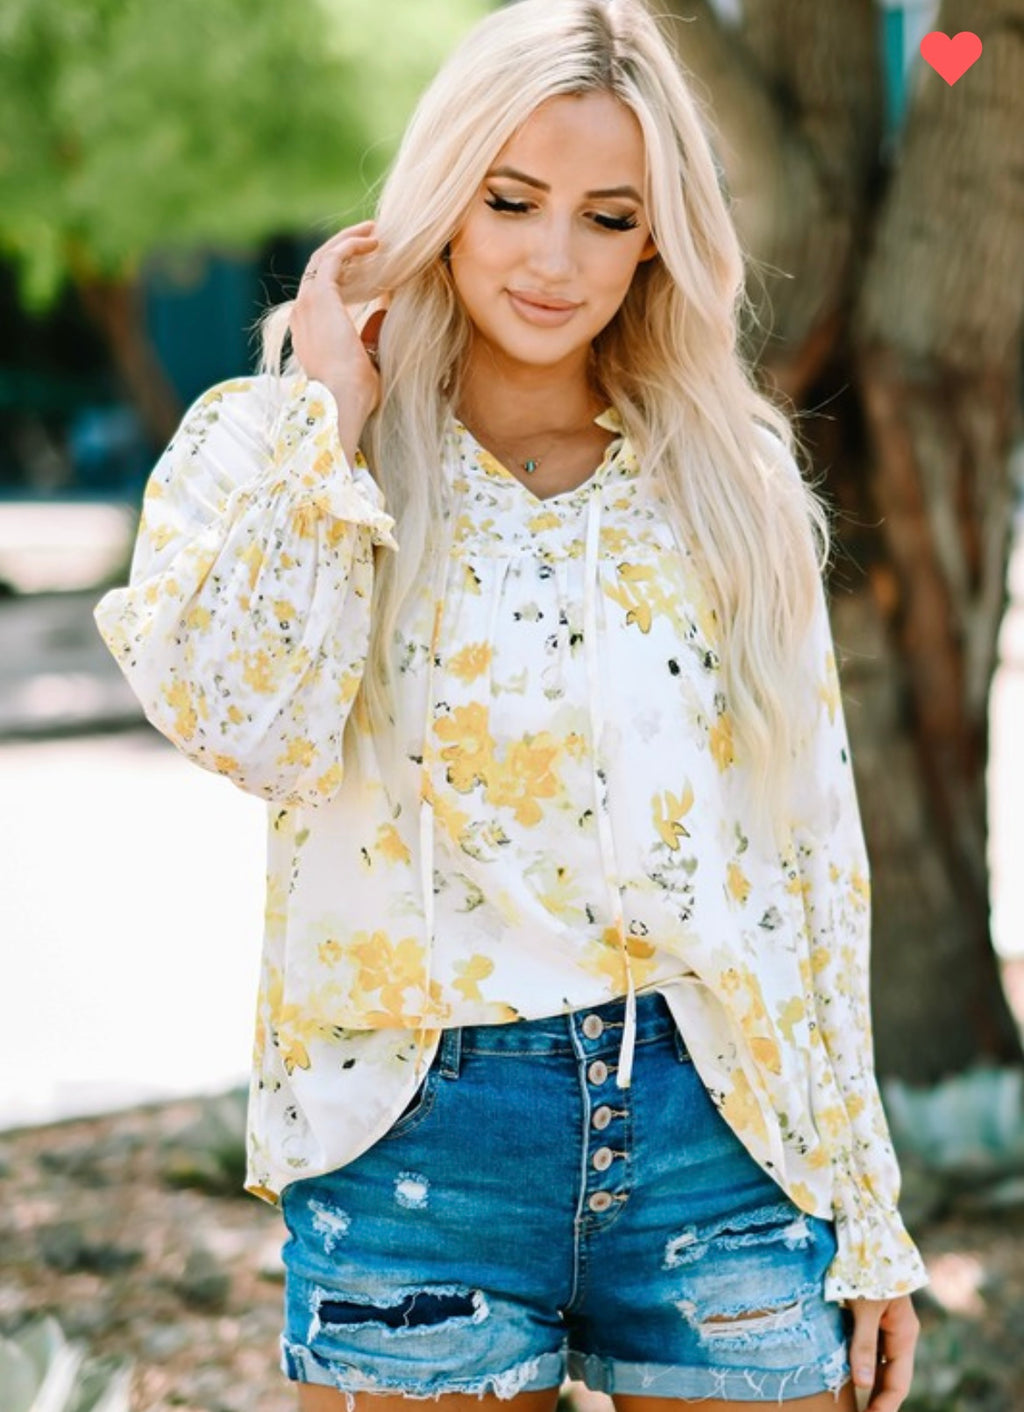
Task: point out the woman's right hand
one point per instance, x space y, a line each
324 336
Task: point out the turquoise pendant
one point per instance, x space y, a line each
529 467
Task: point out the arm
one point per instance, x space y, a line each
876 1258
245 624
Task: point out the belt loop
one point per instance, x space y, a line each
682 1053
451 1052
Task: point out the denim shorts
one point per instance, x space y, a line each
525 1220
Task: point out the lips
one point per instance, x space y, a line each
544 314
541 301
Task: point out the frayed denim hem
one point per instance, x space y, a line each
301 1365
607 1375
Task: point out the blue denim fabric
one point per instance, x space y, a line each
525 1220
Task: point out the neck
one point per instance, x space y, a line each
514 403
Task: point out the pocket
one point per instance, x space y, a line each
419 1105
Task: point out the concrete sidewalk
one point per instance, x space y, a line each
56 675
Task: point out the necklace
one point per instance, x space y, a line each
533 462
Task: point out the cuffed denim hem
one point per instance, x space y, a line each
301 1365
610 1376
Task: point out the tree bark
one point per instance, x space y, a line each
894 296
115 306
936 350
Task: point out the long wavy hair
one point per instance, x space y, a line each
722 455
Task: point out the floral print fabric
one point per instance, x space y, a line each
559 824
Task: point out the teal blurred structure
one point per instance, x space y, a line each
904 23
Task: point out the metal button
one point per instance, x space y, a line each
602 1116
603 1158
593 1026
598 1072
600 1201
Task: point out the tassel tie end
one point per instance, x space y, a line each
624 1075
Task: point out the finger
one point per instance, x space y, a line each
342 249
864 1342
334 263
892 1386
340 236
896 1370
330 265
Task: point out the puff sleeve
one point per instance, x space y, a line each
245 624
876 1258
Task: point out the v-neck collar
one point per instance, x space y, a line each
496 470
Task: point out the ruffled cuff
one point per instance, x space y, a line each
876 1258
306 440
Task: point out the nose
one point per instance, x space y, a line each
552 255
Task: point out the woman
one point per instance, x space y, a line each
563 1055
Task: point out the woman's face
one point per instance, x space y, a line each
547 252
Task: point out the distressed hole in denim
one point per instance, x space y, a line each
767 1225
330 1222
411 1190
747 1328
414 1310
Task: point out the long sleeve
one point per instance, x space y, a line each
245 624
876 1258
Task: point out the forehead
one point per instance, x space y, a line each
584 139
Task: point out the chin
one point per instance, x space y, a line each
540 352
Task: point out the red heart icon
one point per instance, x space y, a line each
951 58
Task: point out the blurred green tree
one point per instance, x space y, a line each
128 128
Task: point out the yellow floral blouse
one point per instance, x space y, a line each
561 823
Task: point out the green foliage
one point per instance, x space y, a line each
128 127
955 1372
41 1372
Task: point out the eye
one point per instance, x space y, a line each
499 203
617 222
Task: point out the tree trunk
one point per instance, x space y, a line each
936 341
115 306
893 295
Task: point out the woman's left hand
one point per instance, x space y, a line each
882 1349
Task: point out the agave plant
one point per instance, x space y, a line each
210 1152
971 1124
40 1371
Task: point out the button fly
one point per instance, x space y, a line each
600 1201
602 1117
603 1158
598 1072
593 1026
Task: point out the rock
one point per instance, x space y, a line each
82 1164
164 1341
204 1284
67 1247
90 1320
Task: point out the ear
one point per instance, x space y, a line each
649 251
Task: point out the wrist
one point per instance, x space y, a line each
354 407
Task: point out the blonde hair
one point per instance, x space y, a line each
721 454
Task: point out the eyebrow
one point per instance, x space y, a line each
515 175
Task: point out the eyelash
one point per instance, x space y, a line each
499 203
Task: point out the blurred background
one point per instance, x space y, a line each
165 172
